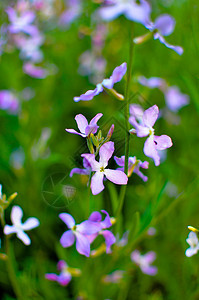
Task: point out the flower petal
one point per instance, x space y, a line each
51 276
139 12
116 76
149 270
30 224
67 219
116 176
9 229
95 166
109 239
82 244
16 215
88 227
175 99
150 116
95 119
105 153
107 221
165 24
75 132
111 12
149 257
81 123
97 183
64 278
89 95
95 217
79 171
150 150
162 142
177 49
67 239
23 237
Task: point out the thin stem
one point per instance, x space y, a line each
127 125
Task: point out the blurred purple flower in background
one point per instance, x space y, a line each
73 11
116 76
129 8
114 277
78 232
8 101
116 176
106 223
85 171
134 166
145 261
175 99
18 227
34 71
193 242
85 128
145 128
64 277
163 26
152 82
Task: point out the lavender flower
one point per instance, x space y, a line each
21 23
34 71
153 82
8 101
145 128
85 128
116 76
18 227
129 8
73 11
145 261
65 273
164 26
134 166
193 242
80 232
106 223
175 99
116 176
114 277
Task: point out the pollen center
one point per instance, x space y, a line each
102 169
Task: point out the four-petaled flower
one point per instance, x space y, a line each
145 261
80 232
65 273
116 76
18 227
106 223
193 242
145 128
116 176
85 128
164 26
134 166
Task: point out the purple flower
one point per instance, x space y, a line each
116 76
85 171
116 176
34 71
114 277
8 101
129 8
65 273
71 13
134 166
164 26
153 82
106 223
18 227
175 99
145 261
78 232
145 128
85 128
22 23
64 277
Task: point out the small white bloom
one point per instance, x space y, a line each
192 240
18 227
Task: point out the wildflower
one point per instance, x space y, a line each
193 242
65 273
85 128
18 227
21 23
153 82
85 171
134 166
114 277
8 101
129 8
145 128
145 261
175 99
71 13
34 71
106 223
80 232
116 76
164 26
116 176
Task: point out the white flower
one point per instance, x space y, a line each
192 240
18 227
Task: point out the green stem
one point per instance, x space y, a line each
127 125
